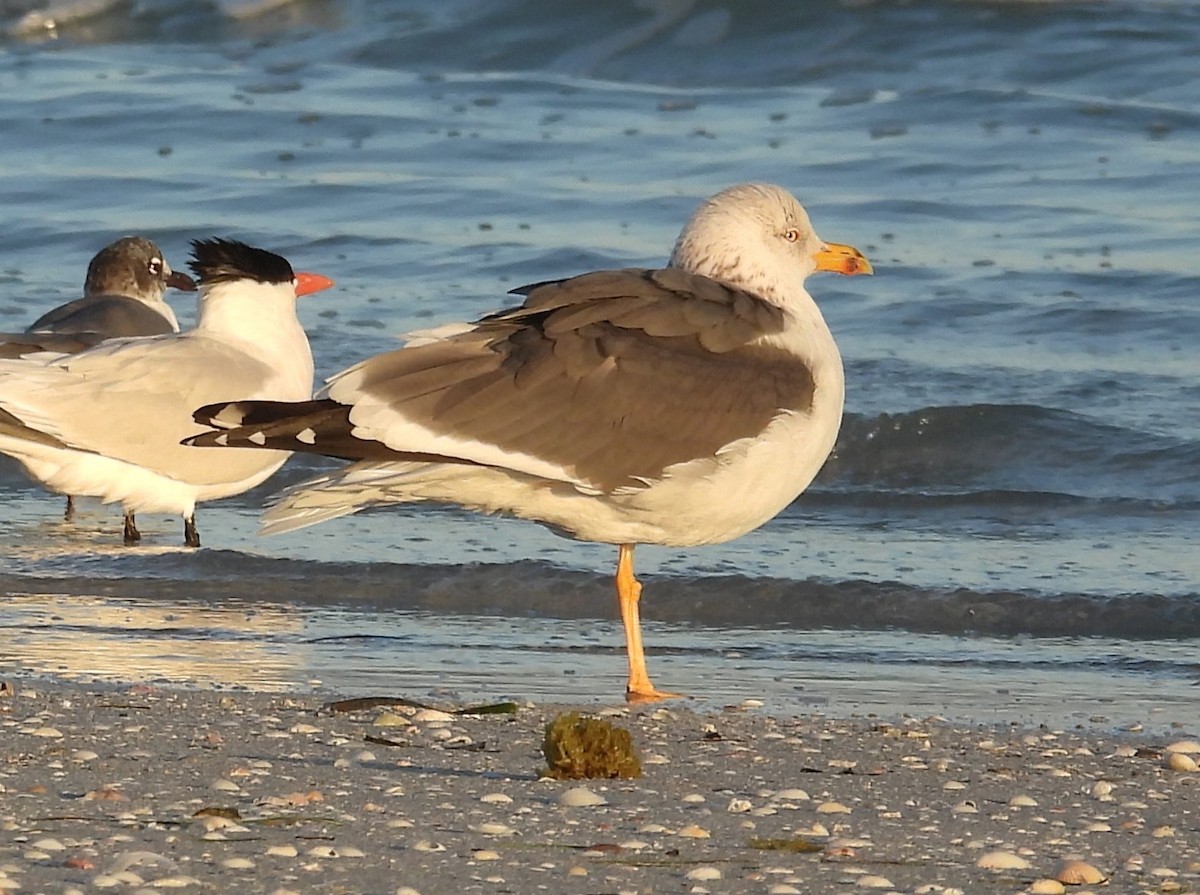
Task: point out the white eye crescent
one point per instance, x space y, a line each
156 267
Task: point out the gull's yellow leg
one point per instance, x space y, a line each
629 592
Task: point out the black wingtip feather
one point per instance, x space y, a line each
222 260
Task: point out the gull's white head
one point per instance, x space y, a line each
756 236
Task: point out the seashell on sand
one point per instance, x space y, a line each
1078 873
1002 860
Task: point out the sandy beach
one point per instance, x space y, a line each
137 789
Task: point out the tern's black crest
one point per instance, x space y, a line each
223 260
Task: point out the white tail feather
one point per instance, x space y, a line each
341 493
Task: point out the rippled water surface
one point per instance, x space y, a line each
1006 527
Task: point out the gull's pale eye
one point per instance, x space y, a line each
791 234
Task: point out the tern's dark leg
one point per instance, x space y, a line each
132 535
70 511
191 537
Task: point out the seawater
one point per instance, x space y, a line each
1007 522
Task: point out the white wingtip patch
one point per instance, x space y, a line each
222 440
307 436
257 438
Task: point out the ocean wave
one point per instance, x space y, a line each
997 449
542 590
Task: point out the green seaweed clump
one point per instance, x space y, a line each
576 748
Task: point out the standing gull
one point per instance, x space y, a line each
122 296
681 406
107 422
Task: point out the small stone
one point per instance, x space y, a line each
704 874
303 728
238 864
1022 801
283 851
485 854
47 732
496 798
226 786
105 794
691 831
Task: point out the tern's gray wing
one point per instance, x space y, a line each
132 400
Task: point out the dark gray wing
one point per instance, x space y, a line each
110 316
610 377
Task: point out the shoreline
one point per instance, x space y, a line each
101 785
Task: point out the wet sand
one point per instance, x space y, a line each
136 789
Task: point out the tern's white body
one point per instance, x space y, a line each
107 422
